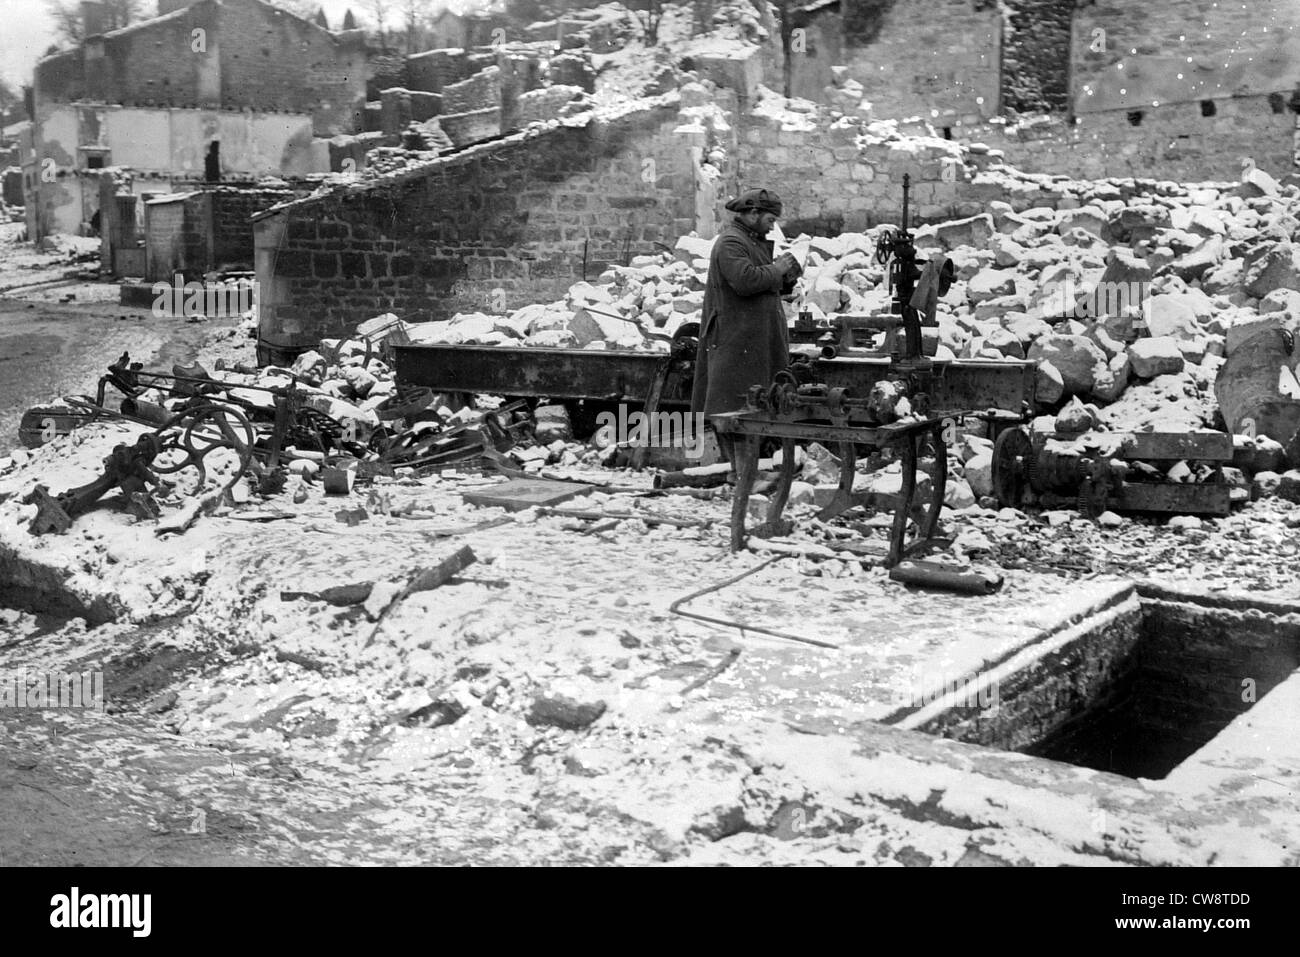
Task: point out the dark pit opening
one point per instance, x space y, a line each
1142 691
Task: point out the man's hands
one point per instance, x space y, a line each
788 265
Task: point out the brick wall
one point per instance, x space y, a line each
1195 658
511 216
1080 671
232 224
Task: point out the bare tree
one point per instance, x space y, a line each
68 24
648 13
379 10
418 16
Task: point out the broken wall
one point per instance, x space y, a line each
940 59
165 146
177 231
273 60
831 183
495 227
1036 55
1175 141
1136 56
434 69
237 54
232 223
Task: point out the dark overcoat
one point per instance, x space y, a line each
744 339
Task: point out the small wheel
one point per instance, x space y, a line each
885 246
202 430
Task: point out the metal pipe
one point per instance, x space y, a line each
676 609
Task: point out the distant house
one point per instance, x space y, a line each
466 30
206 92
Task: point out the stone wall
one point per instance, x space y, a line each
153 63
271 59
232 223
940 59
1173 141
479 92
248 55
492 228
1148 90
1136 56
833 182
817 44
433 70
1036 56
385 71
544 104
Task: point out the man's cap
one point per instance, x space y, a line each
763 200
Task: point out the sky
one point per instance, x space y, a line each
27 30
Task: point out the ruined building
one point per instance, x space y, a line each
1174 89
1123 93
215 91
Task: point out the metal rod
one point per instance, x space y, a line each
676 609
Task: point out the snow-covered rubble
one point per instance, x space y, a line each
1106 295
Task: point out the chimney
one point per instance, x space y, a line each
92 18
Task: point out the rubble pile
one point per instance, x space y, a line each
1130 298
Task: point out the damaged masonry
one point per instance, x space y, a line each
362 469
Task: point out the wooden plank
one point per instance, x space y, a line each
1173 446
1171 497
519 494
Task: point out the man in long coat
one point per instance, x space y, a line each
744 340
